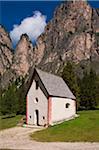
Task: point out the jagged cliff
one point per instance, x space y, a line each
5 51
72 35
17 64
23 57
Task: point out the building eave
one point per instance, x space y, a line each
62 97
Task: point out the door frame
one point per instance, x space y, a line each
36 117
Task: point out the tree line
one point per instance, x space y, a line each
12 100
86 89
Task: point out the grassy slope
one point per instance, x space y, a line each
84 128
9 122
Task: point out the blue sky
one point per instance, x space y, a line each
94 3
12 12
18 16
32 16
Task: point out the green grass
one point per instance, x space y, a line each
9 122
84 128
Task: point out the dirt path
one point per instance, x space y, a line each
18 138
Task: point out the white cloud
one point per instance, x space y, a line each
33 26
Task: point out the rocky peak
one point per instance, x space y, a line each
23 56
74 15
69 36
24 45
4 37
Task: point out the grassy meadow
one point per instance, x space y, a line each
84 128
8 122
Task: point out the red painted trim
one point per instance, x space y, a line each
49 110
26 110
75 106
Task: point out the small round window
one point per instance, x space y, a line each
67 105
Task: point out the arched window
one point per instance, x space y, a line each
37 85
43 117
67 105
36 100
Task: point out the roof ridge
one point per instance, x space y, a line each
49 73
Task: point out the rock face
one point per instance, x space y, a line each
5 51
23 57
4 37
21 62
72 34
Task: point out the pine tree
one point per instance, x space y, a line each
13 99
70 78
88 90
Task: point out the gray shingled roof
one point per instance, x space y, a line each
55 85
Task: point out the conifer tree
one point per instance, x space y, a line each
70 78
88 90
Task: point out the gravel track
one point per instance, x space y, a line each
18 138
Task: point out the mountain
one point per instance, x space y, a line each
21 62
5 51
23 57
72 34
